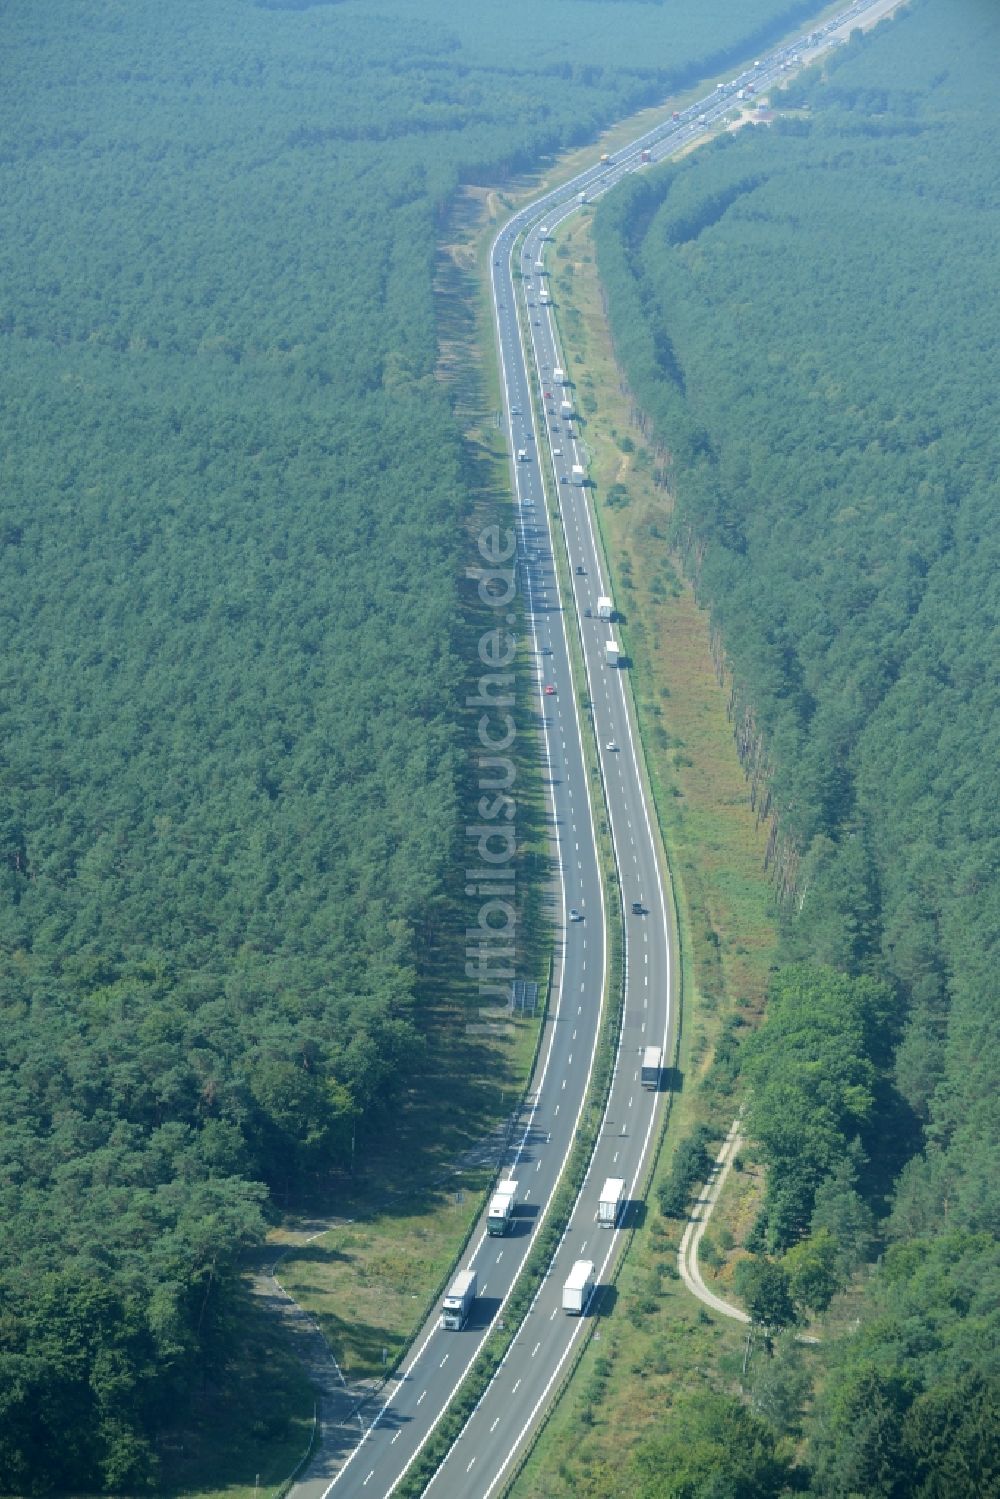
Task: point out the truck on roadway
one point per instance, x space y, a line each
611 652
566 410
652 1063
609 1208
559 375
605 608
458 1302
544 297
500 1214
577 474
522 455
645 155
579 1288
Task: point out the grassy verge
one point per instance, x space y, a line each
659 1340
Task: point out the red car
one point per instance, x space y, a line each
550 692
548 395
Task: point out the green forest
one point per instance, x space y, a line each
233 771
807 313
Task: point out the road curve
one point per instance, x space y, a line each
398 1427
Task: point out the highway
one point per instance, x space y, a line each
545 447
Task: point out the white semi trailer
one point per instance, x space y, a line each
579 1288
652 1064
500 1213
458 1302
612 1200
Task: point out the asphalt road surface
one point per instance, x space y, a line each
397 1428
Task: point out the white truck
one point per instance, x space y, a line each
500 1213
612 1200
543 232
577 474
579 1288
458 1302
652 1062
611 652
581 197
544 297
559 375
605 608
566 410
540 267
522 455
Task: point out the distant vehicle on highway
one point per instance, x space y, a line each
612 746
574 914
637 908
550 691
